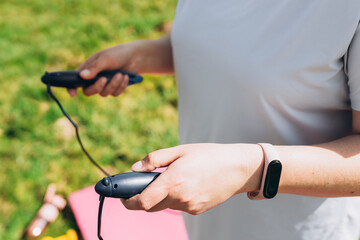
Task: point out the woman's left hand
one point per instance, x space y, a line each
199 176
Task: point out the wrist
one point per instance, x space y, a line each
138 52
254 167
271 174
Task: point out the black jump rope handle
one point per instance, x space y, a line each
72 79
123 185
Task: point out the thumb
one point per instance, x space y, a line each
92 69
157 159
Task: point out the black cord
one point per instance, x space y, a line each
76 130
102 199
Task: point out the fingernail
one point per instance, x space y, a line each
85 72
137 166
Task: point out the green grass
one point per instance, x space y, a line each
38 36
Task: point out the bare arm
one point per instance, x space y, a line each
325 170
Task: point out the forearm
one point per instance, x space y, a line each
325 170
153 56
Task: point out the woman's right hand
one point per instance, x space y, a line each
138 57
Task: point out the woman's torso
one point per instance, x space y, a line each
266 71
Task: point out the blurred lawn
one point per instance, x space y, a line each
35 149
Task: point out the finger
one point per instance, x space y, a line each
159 158
156 192
134 204
95 88
72 92
164 204
169 203
93 68
122 88
114 84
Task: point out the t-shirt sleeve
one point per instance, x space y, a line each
353 70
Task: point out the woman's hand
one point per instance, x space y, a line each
145 56
118 57
199 176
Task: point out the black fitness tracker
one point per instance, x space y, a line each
271 174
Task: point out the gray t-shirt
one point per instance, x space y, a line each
280 71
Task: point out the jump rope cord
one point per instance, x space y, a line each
76 131
102 199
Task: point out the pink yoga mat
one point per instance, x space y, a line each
120 223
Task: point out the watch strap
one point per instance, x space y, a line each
271 174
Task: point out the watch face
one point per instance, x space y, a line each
272 179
